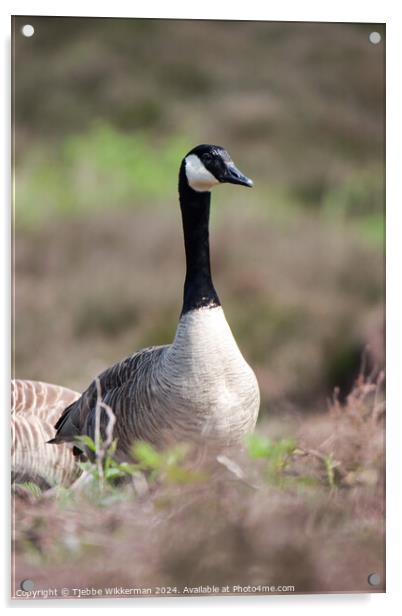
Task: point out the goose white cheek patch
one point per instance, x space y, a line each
198 176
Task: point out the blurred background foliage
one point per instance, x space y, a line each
104 110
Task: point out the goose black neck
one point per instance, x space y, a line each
199 290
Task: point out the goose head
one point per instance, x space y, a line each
206 166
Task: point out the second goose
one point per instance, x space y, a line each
199 388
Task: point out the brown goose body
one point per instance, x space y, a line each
35 407
198 389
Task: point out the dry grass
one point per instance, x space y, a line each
318 522
312 518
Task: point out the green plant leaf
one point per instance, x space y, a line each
146 454
259 446
30 487
87 441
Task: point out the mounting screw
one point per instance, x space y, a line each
374 579
27 585
375 38
28 30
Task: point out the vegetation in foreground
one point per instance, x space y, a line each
304 511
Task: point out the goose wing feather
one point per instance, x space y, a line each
35 406
125 387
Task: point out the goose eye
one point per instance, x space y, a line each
207 158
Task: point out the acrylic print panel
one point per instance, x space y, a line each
174 486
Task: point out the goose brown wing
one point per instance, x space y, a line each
119 387
35 406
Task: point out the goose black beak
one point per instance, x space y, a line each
233 176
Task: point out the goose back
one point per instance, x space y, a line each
35 407
127 388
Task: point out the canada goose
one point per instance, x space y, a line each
35 406
199 388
